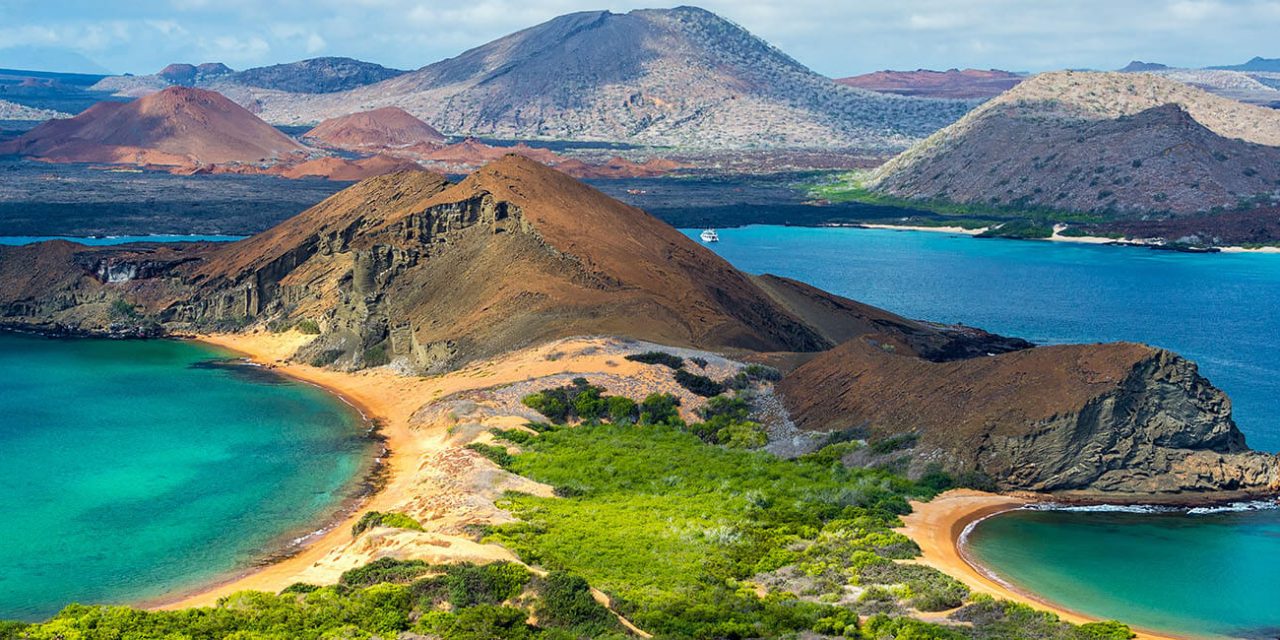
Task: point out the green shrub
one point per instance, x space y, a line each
498 455
483 622
623 410
300 587
658 357
577 401
326 357
121 309
393 519
699 384
891 444
660 408
469 584
1109 630
377 355
308 326
882 627
567 602
384 570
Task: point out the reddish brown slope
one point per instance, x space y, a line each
177 126
385 128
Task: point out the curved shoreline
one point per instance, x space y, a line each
940 526
275 572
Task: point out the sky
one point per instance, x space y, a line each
834 37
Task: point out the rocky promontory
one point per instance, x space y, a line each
1107 419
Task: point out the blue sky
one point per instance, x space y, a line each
834 37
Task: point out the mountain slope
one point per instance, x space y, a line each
176 126
966 84
1100 142
383 128
679 76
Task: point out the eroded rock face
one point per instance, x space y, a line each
1114 419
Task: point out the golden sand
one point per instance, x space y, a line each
937 527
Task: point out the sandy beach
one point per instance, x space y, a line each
937 526
904 227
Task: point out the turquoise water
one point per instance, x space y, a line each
135 469
110 240
1210 575
1220 310
1192 574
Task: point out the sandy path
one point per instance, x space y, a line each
937 526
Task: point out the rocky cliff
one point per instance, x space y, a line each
1113 419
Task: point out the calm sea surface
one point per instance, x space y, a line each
134 469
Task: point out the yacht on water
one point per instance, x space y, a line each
710 235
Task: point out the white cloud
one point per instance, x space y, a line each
835 37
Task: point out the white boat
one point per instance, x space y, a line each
710 235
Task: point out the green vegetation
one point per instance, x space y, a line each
658 357
326 357
676 530
849 188
699 384
383 599
308 326
498 455
377 355
122 310
394 519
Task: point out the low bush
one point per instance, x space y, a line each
699 384
658 357
326 357
377 355
308 326
498 455
382 570
393 519
891 444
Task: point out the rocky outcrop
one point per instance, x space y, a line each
1110 419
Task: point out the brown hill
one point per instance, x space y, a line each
962 84
1117 418
176 126
385 128
1099 142
432 274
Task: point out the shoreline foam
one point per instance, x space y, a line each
940 527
